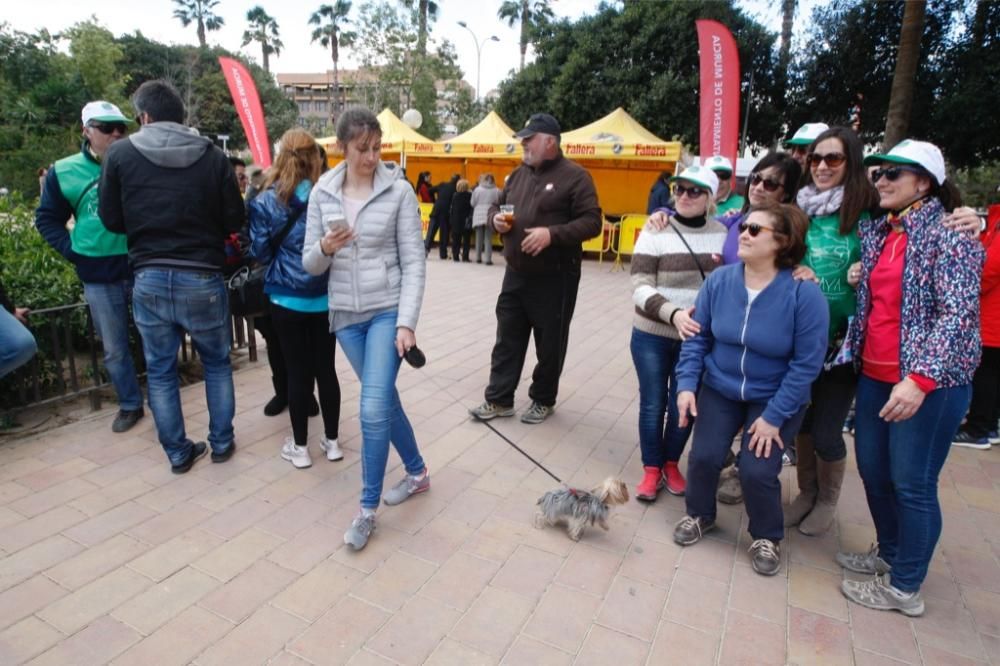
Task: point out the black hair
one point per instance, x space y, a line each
791 174
235 161
160 101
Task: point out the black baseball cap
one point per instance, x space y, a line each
539 123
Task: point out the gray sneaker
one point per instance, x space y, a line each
407 487
864 563
878 594
765 557
490 410
688 530
361 528
536 413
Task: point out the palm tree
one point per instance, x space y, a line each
427 11
531 14
200 12
331 34
897 120
264 29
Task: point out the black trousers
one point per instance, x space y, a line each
438 222
461 239
308 346
275 357
982 418
831 398
538 305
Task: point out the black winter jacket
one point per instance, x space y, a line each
174 195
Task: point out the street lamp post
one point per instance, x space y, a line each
479 50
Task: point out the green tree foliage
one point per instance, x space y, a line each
263 29
330 32
97 58
201 13
427 13
642 56
531 15
387 41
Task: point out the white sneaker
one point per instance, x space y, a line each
297 455
332 449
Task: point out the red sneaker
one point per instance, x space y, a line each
675 483
649 487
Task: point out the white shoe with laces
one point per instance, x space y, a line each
297 455
332 449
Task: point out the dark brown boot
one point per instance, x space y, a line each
805 470
831 478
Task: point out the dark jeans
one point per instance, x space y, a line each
982 418
899 464
532 304
438 223
461 239
720 420
308 347
832 396
275 358
655 358
109 308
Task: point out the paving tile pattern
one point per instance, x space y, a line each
107 557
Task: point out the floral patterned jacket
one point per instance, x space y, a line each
939 323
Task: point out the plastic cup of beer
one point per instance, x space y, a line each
507 211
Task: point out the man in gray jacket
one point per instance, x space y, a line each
175 197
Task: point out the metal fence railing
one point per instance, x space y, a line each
69 362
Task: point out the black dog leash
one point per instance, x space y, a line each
416 359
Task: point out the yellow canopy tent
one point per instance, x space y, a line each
398 140
490 146
623 157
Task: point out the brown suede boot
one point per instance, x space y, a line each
805 470
831 478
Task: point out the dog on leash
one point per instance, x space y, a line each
575 508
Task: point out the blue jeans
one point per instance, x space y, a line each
109 309
166 304
655 358
899 464
371 349
17 344
721 418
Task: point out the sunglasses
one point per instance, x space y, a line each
893 173
769 185
109 128
753 228
692 192
833 160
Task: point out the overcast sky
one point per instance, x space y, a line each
154 18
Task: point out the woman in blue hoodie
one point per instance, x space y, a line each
762 342
298 300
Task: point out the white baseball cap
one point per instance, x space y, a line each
806 134
102 111
700 176
919 153
719 163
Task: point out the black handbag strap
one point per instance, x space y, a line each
688 246
280 238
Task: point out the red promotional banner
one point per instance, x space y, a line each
244 93
720 91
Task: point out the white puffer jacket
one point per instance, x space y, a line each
383 266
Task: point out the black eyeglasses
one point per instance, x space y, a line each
693 192
893 173
766 183
833 160
109 128
754 229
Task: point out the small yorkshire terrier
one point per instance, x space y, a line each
575 508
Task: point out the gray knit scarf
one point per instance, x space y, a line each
816 203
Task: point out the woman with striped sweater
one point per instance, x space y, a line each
669 266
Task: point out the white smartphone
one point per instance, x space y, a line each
337 223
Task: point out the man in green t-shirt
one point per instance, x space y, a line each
725 199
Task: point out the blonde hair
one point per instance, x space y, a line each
462 186
298 159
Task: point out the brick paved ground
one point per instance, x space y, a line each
105 556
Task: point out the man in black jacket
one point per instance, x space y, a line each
175 197
441 216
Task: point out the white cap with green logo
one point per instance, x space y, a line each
699 176
102 112
918 153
